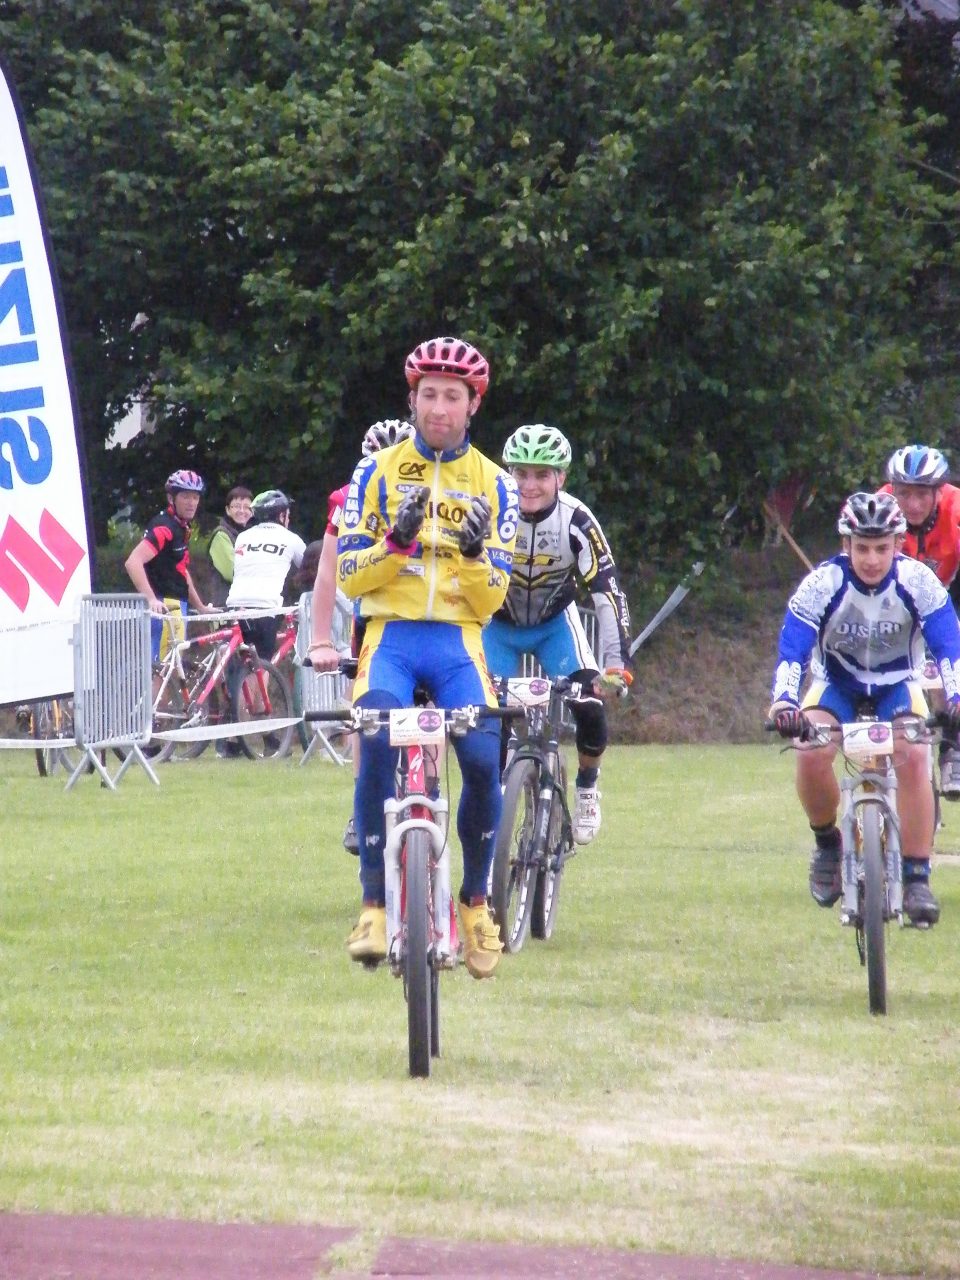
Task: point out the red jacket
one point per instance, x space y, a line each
937 543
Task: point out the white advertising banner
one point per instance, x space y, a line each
44 550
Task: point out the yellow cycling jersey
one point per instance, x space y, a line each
434 582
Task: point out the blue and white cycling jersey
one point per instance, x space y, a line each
866 639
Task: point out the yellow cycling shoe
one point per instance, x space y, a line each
481 940
368 938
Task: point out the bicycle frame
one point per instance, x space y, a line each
414 730
873 782
288 637
229 638
541 741
871 859
529 856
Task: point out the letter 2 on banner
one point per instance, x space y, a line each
44 545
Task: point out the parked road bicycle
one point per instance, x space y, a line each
871 863
216 679
535 838
422 938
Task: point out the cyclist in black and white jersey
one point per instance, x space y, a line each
264 553
560 546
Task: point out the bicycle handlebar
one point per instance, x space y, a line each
457 719
912 727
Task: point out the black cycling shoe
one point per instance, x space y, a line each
919 904
351 841
825 882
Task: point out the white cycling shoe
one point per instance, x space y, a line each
586 815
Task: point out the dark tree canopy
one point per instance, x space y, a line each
690 234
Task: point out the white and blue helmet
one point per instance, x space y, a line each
917 464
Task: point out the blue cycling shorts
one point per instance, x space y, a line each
560 645
446 658
904 698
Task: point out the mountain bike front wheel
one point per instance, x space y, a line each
418 970
261 693
514 857
874 901
546 894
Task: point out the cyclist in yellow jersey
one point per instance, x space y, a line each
426 545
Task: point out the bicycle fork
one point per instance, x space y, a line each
397 826
881 790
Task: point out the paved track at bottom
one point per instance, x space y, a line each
58 1247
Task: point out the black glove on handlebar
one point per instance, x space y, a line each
790 722
410 516
951 715
475 528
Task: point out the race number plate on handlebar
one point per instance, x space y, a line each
528 691
416 725
868 738
930 675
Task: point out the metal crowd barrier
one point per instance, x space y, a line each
323 690
112 689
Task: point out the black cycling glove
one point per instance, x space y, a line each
475 528
409 519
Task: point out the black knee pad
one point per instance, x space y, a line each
590 717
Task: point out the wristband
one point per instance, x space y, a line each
400 551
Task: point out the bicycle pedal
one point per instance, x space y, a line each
850 919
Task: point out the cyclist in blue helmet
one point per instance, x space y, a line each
918 477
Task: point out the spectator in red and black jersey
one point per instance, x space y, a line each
159 565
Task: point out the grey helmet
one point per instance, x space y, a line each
871 515
270 504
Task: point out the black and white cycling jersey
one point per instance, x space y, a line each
556 549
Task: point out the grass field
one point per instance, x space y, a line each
687 1066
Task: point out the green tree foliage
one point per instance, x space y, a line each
685 232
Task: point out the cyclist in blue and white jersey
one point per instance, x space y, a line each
860 622
559 546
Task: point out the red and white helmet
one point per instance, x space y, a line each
452 358
184 482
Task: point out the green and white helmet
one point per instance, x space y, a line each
538 446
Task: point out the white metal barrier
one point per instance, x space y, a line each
323 690
112 690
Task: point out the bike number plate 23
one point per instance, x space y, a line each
868 738
410 725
